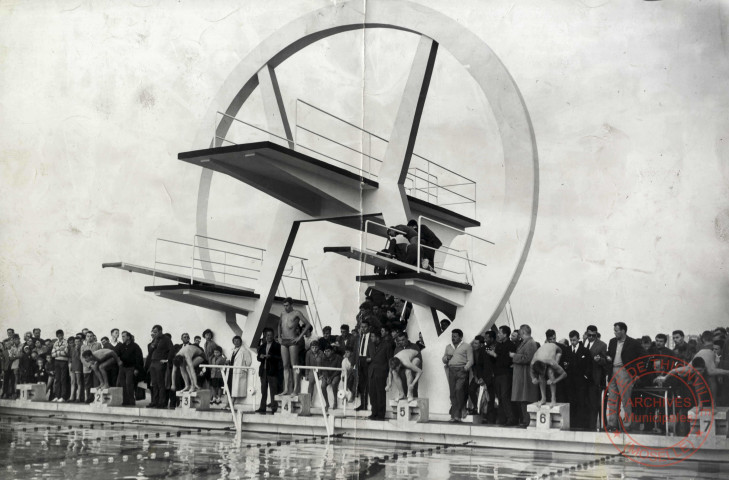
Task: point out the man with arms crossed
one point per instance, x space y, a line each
290 320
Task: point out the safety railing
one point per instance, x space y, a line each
306 140
228 263
234 266
442 186
328 419
450 251
225 369
296 279
333 139
415 268
445 251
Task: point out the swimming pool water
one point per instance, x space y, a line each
47 448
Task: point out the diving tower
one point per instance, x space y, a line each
381 180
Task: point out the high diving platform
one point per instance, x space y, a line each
415 285
315 187
218 298
167 275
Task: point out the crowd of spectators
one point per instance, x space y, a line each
495 375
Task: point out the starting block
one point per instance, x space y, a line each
294 405
415 411
32 392
549 418
108 397
703 422
197 400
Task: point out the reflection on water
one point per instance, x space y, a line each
47 448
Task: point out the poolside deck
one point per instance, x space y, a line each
434 432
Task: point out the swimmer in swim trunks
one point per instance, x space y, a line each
187 359
291 319
408 359
99 361
544 365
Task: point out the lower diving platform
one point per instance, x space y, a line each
419 287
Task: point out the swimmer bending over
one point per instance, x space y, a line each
409 359
544 364
187 359
99 361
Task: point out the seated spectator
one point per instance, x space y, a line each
545 363
429 242
330 377
312 360
100 362
344 341
327 335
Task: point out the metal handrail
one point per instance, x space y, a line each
460 232
225 265
250 125
201 260
338 143
360 170
444 168
329 427
341 119
367 222
229 242
233 411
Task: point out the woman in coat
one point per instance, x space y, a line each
241 356
523 391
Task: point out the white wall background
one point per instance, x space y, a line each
628 100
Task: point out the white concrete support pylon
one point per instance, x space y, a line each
282 234
404 133
276 118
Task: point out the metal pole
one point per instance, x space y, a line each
419 226
236 420
192 267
